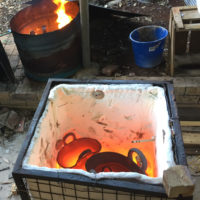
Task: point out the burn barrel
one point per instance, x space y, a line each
46 51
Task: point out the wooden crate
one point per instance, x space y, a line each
183 21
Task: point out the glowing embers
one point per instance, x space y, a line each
84 153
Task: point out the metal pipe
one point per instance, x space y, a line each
85 33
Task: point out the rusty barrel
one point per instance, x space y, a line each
52 54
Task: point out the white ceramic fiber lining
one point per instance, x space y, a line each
73 108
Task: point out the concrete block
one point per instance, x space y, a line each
178 181
192 90
192 86
179 91
187 99
12 120
3 118
179 82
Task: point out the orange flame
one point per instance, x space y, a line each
63 19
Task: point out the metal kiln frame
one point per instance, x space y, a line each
148 191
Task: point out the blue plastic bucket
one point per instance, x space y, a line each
148 44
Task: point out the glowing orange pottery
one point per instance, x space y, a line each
77 151
116 162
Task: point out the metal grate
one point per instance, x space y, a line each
190 2
39 189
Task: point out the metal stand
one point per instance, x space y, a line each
6 73
85 32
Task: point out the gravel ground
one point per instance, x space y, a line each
8 8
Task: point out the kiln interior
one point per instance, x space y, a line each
119 116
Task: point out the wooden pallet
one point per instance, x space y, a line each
182 19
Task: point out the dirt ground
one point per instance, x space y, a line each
8 155
8 8
12 134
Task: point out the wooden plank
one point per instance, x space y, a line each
183 8
192 27
177 180
191 14
190 129
177 17
172 47
191 138
190 123
170 23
